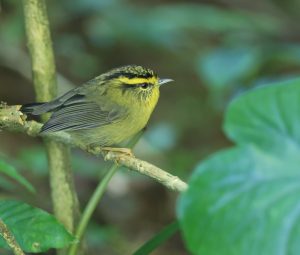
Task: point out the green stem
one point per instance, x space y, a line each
157 240
91 206
96 197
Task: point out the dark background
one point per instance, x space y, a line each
214 50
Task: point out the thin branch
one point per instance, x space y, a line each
170 181
10 239
12 119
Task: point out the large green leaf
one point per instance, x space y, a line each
268 117
245 200
34 229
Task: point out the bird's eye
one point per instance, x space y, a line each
144 85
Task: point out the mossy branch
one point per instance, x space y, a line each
12 119
63 194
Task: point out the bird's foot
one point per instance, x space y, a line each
125 151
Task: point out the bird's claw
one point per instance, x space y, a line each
123 151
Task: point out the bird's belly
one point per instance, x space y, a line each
111 134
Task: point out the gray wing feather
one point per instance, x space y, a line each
75 117
81 115
76 110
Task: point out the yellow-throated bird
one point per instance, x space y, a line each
106 110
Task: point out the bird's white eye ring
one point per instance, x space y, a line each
144 85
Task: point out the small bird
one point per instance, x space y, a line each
106 110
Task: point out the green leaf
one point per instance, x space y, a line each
267 117
245 200
158 239
34 229
11 172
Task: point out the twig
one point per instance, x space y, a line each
12 119
170 181
10 239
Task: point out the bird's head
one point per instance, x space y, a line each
135 83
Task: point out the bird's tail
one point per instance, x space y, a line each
34 108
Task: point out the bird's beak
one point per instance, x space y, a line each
164 81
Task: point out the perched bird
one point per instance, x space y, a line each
106 110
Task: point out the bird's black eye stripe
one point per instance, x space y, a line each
126 87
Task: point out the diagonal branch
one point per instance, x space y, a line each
11 119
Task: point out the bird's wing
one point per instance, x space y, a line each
78 112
